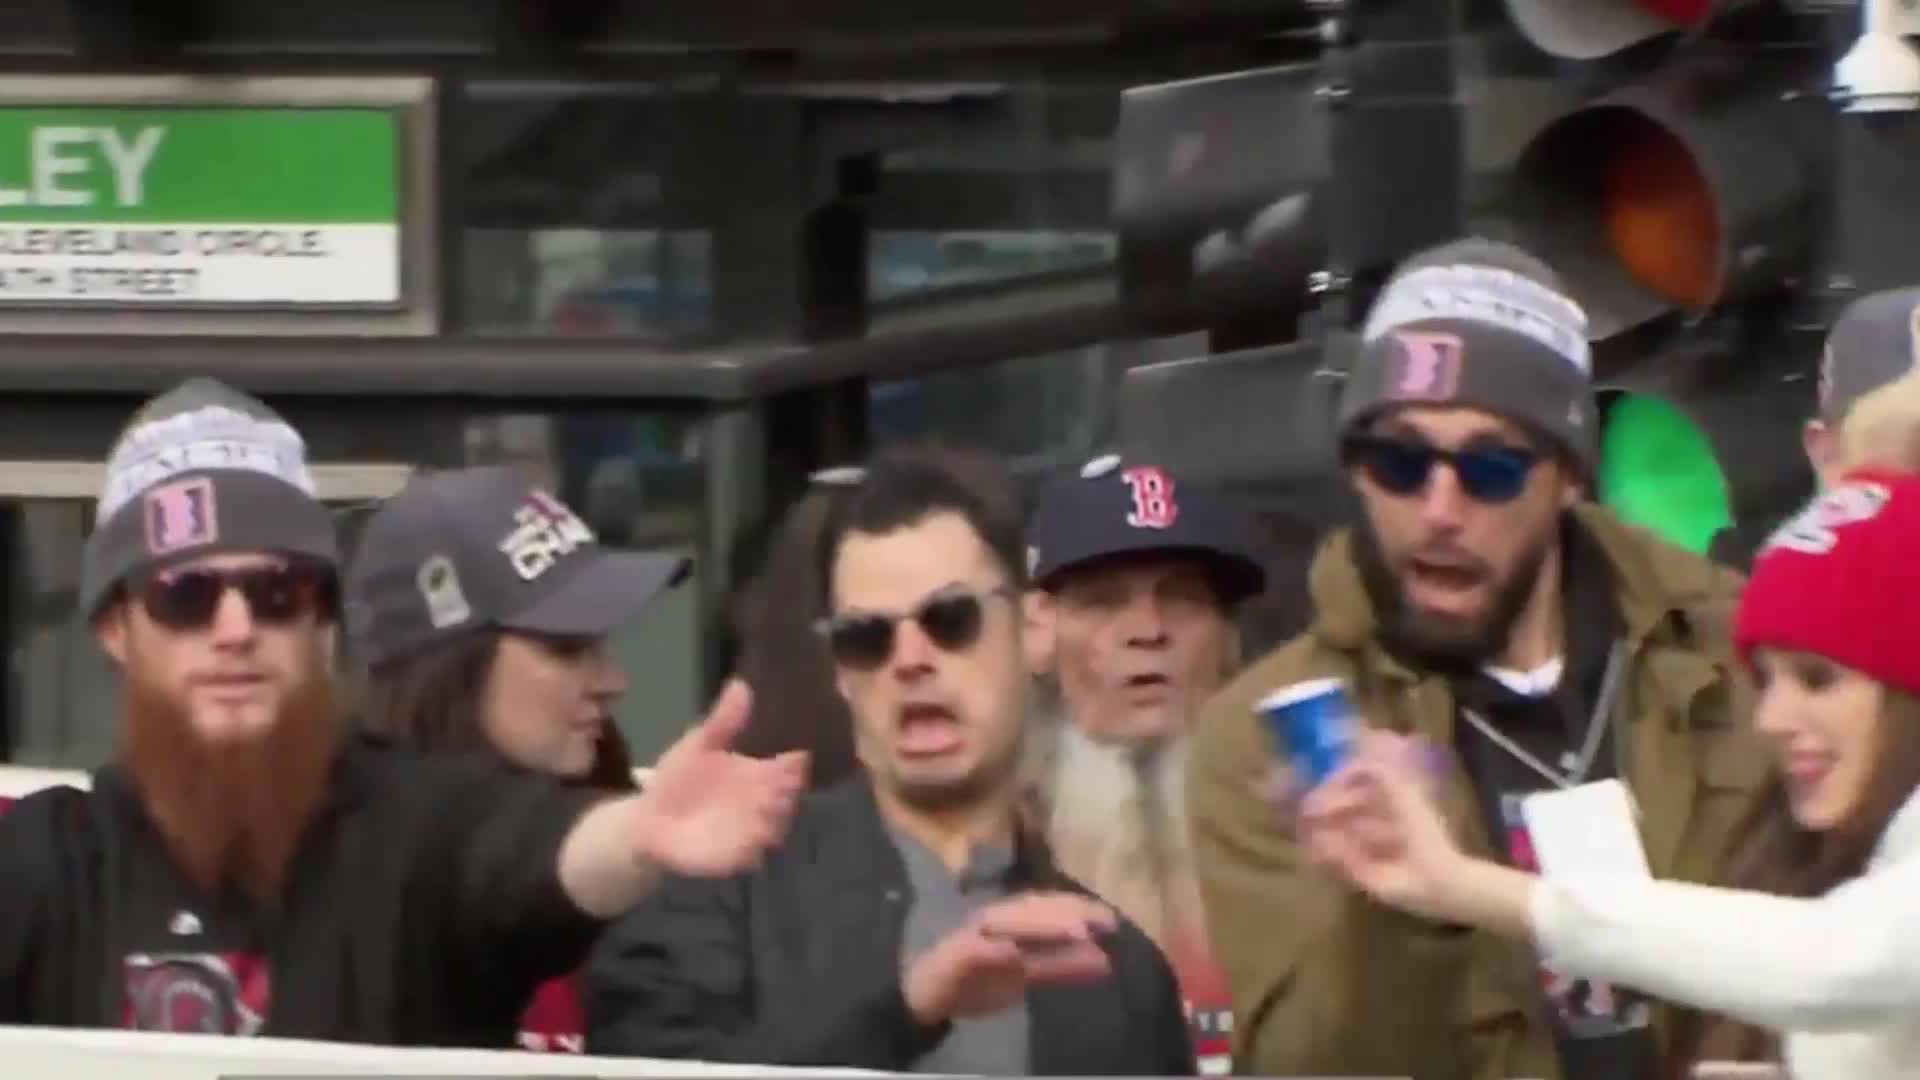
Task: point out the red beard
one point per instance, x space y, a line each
231 815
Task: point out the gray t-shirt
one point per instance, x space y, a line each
994 1045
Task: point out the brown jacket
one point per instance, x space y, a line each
1326 982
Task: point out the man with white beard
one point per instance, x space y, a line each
1136 577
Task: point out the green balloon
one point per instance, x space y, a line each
1658 471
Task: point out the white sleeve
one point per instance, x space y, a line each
1847 960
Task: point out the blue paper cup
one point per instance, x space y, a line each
1311 724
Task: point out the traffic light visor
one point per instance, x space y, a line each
1658 470
1590 29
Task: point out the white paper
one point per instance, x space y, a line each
1585 831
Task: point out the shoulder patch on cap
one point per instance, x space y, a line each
1425 366
181 515
439 585
1099 467
1815 530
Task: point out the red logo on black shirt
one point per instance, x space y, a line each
1585 1009
1212 1030
195 993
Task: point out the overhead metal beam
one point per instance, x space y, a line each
958 328
626 28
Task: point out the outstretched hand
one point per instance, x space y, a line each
1375 825
708 811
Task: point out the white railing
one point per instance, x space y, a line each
124 1055
17 781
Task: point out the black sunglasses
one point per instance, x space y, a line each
1491 474
183 600
951 619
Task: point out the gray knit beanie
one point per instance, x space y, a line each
202 468
1479 324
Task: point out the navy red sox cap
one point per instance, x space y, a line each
1111 509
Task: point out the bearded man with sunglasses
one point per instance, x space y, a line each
1483 603
911 921
243 867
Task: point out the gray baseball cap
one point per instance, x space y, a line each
1875 340
472 548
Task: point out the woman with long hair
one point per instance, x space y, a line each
481 606
1820 940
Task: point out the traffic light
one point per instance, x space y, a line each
1256 422
1700 443
1671 196
1217 222
1681 209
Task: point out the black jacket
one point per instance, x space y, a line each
424 905
798 963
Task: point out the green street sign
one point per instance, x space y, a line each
182 207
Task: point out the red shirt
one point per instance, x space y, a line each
554 1023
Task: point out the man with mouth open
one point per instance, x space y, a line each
1484 603
912 921
245 866
1137 573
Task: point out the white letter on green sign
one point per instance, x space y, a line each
56 153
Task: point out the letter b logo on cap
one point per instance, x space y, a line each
1153 505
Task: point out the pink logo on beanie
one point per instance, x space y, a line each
180 515
1426 365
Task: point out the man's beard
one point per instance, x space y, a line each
1117 824
230 814
1442 640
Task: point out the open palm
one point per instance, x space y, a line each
707 811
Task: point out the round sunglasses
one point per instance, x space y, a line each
1489 474
189 599
951 619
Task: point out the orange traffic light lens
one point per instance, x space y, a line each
1660 214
